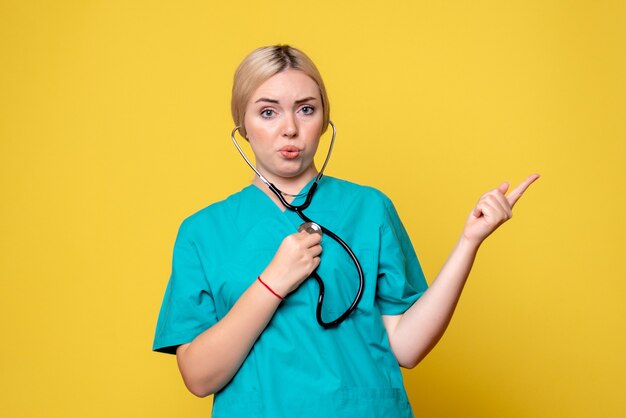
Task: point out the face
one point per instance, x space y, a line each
283 122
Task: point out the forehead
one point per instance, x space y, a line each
287 85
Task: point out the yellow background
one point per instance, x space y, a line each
114 126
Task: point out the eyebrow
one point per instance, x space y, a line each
299 101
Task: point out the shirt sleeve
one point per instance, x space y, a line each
188 308
401 280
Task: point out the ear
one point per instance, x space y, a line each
242 128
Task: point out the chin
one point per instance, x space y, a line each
291 172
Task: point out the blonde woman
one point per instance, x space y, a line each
239 309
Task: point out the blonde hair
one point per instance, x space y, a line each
263 63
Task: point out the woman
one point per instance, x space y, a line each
239 311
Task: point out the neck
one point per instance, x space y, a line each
288 185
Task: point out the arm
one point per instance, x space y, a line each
413 334
213 357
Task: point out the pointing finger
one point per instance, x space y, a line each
516 193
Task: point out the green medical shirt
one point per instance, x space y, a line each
296 368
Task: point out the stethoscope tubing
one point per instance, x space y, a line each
298 209
320 282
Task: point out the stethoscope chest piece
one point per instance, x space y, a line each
311 228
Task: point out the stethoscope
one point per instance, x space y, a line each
314 228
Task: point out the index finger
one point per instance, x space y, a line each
516 193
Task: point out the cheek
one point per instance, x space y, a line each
251 124
253 130
320 122
254 134
257 128
315 129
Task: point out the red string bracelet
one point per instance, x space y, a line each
269 288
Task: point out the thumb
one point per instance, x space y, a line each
504 187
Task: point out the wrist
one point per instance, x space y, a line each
270 289
276 277
469 244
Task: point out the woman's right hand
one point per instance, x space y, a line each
211 360
294 261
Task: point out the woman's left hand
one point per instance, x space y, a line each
493 209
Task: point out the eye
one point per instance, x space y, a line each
267 113
307 110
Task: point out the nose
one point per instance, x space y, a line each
290 126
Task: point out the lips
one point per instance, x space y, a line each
290 152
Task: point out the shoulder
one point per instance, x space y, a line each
357 192
213 215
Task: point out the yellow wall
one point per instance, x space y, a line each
114 126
